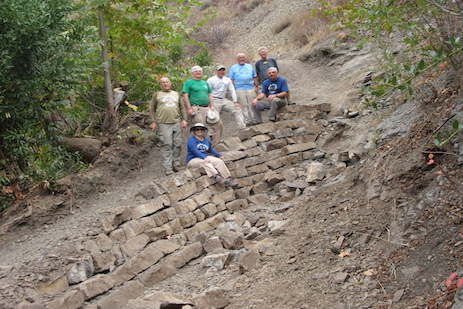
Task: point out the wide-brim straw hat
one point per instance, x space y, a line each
213 116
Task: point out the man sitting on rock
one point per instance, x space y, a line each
273 96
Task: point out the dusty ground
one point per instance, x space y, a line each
384 233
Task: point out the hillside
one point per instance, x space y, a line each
359 221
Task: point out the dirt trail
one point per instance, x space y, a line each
122 172
119 178
335 251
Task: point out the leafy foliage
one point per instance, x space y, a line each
429 32
40 74
203 58
427 29
52 76
147 40
444 137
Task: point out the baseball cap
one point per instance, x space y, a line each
220 67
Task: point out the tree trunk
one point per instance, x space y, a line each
111 118
88 148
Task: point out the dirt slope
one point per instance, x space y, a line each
383 233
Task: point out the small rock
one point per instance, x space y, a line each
341 277
398 295
293 186
248 260
339 242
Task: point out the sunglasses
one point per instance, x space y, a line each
200 129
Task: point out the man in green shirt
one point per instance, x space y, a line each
198 99
168 115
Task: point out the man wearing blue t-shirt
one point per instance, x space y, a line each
273 96
244 79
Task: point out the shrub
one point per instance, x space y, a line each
307 27
214 34
430 33
41 52
282 26
249 5
203 58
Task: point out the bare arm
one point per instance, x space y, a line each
231 89
258 98
278 95
211 102
152 109
186 99
182 112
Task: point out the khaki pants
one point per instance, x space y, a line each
273 106
171 137
216 129
216 166
228 106
245 98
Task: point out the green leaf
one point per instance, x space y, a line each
410 90
97 3
456 125
378 93
440 52
421 65
409 42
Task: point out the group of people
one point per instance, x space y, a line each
203 101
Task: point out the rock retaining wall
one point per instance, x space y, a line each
142 245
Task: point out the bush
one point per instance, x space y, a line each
203 59
310 28
215 34
282 26
430 33
41 52
249 5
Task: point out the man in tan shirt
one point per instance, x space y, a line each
168 115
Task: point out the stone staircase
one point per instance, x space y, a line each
141 246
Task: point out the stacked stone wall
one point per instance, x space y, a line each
142 245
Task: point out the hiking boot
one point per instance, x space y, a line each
230 182
290 102
168 172
219 179
177 168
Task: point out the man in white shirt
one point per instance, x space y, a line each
220 85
